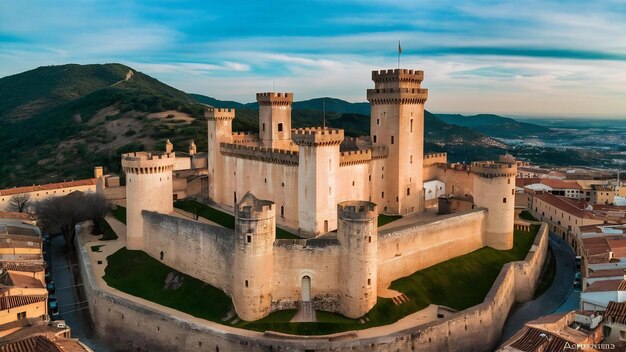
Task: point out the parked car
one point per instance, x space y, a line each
577 277
51 287
54 305
578 260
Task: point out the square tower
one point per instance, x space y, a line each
275 119
397 122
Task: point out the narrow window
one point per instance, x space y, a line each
508 181
235 197
391 139
411 126
374 138
504 200
352 183
513 192
246 283
410 159
263 128
161 255
369 282
408 191
280 127
369 239
377 122
370 178
282 210
382 195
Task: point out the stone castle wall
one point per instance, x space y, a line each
200 250
131 326
403 252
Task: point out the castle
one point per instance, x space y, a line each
314 181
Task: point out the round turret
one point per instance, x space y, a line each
494 189
148 187
357 232
255 231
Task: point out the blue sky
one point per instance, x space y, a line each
514 57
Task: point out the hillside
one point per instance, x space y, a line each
60 121
494 125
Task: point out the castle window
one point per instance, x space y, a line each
266 180
504 200
352 183
249 239
283 184
263 128
391 139
411 159
513 192
370 178
377 122
382 195
508 181
246 283
374 138
408 191
369 282
411 125
369 239
162 255
282 211
280 127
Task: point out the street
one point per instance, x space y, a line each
72 309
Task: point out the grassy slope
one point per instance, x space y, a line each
138 274
222 218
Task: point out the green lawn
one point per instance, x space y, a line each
458 283
138 274
526 215
221 218
385 219
120 213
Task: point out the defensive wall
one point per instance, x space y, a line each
130 325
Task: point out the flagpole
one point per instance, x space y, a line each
399 52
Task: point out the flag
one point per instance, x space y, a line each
399 48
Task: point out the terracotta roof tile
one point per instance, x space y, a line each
10 302
50 186
607 285
566 205
616 312
607 273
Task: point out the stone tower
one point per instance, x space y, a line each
275 119
148 187
358 235
494 189
317 176
255 231
397 121
220 130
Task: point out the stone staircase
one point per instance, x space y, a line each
398 300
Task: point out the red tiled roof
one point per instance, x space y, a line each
618 247
522 182
596 245
10 302
23 267
615 312
560 184
607 273
15 215
566 205
50 186
606 285
534 339
38 343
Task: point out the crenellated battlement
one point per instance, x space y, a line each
398 74
219 114
397 95
357 210
274 98
244 137
491 169
435 158
355 157
252 208
147 162
271 155
317 136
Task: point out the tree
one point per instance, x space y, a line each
95 207
61 214
19 203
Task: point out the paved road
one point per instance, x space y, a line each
554 297
69 302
